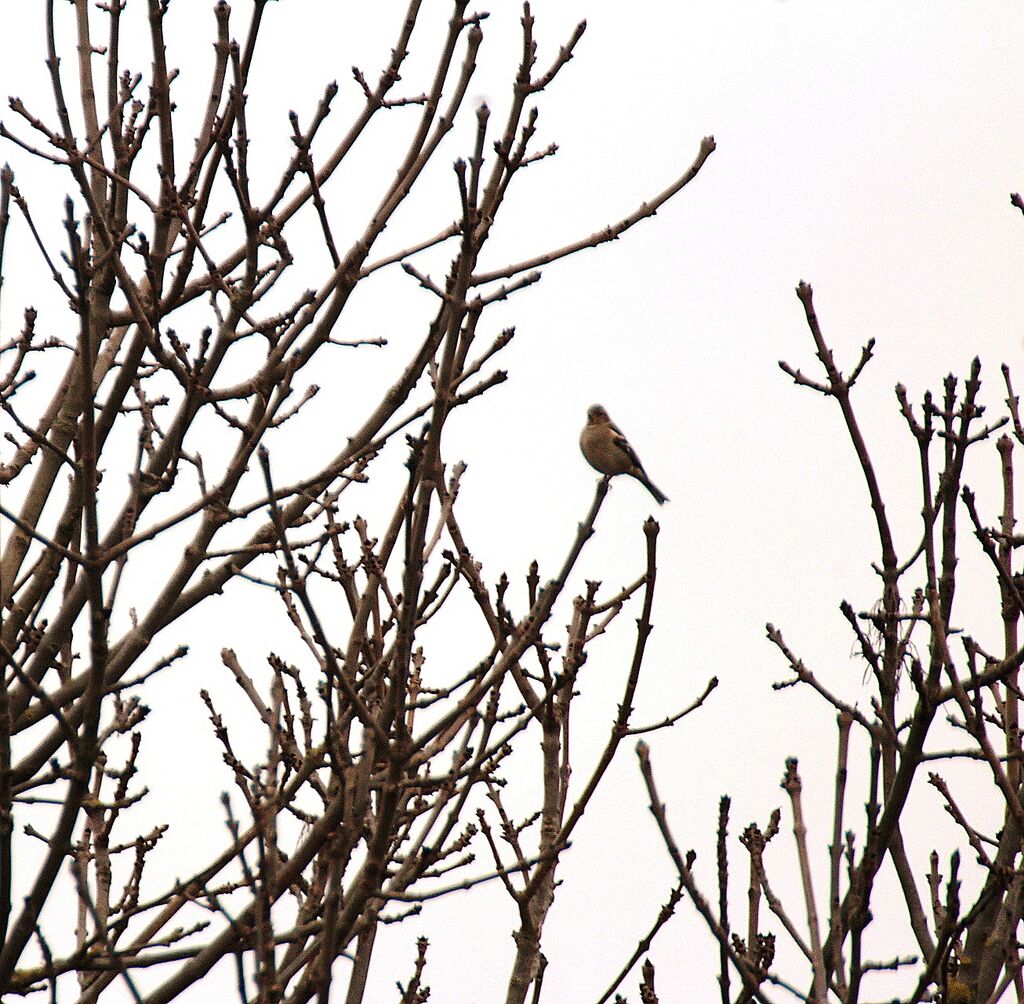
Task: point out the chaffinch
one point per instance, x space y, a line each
607 450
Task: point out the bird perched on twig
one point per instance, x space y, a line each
607 450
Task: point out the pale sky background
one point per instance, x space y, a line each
867 148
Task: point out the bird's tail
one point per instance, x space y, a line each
659 496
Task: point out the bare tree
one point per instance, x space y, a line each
182 322
938 695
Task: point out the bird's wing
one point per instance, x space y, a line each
623 444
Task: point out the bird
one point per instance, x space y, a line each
607 450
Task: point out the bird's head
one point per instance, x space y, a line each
596 413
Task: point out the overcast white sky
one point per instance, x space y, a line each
868 148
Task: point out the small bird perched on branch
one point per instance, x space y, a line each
607 450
